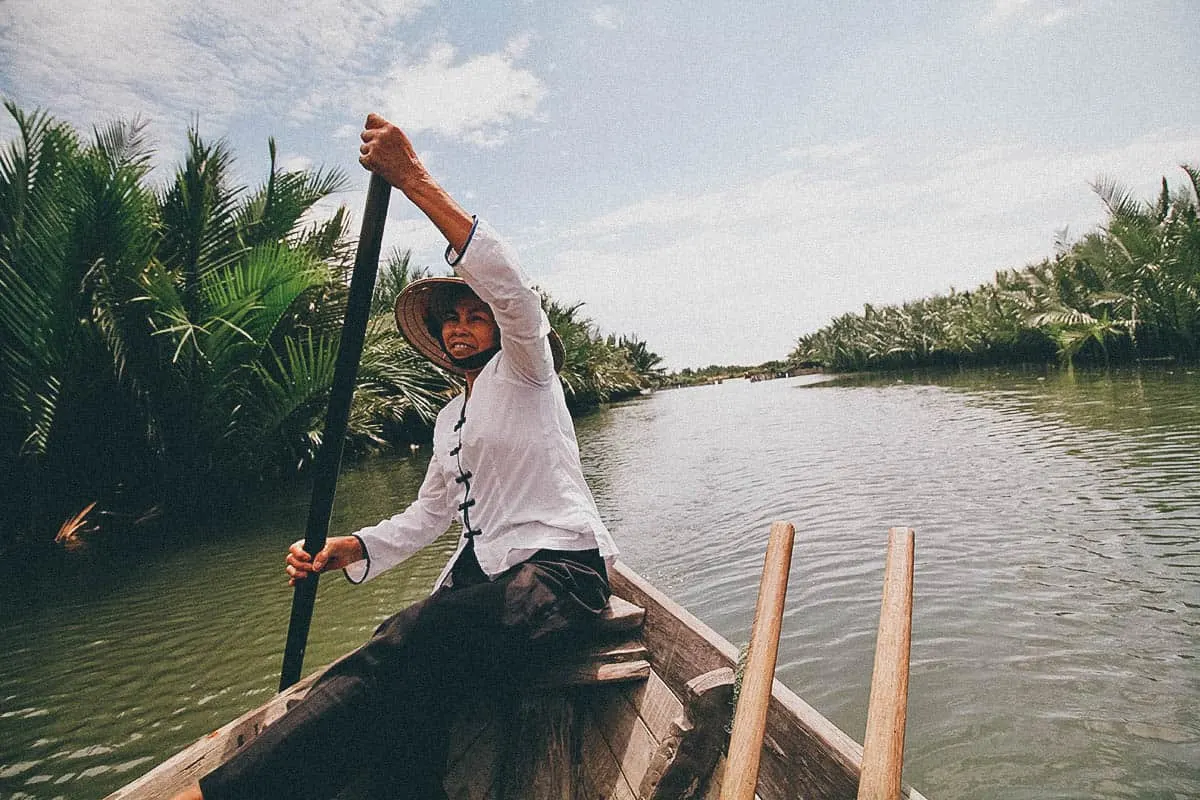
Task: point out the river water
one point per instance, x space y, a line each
1057 590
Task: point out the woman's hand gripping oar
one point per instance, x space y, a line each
750 717
325 470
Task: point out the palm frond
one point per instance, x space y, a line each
273 213
124 146
40 308
1067 317
1119 199
396 272
251 297
280 416
328 239
404 381
198 213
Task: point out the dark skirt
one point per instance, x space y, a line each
385 709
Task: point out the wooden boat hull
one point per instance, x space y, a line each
657 737
804 754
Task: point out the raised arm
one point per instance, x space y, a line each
490 267
387 151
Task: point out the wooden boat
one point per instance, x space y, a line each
643 715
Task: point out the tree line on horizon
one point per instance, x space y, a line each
163 347
1126 291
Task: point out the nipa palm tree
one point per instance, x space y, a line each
76 228
177 341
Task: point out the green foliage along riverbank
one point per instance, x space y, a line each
1129 290
164 346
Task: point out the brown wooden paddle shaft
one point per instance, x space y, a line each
883 745
750 717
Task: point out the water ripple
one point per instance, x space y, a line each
1057 580
1058 559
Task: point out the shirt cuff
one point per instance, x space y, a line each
357 572
452 257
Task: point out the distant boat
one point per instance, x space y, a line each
644 715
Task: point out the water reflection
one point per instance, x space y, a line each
1057 583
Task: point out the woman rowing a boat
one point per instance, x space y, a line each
529 570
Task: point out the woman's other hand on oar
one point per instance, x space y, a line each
338 553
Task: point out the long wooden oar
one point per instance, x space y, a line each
329 457
883 745
750 717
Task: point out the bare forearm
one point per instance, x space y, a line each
443 210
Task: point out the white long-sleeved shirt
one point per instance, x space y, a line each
516 445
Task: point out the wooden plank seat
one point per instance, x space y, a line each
618 654
631 740
604 726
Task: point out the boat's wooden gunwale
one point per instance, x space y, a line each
804 754
197 760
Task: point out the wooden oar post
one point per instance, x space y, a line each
883 745
750 717
329 457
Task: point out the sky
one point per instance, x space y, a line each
716 178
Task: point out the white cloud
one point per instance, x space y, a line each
607 17
293 162
174 63
1041 13
519 46
89 62
839 152
473 100
169 60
